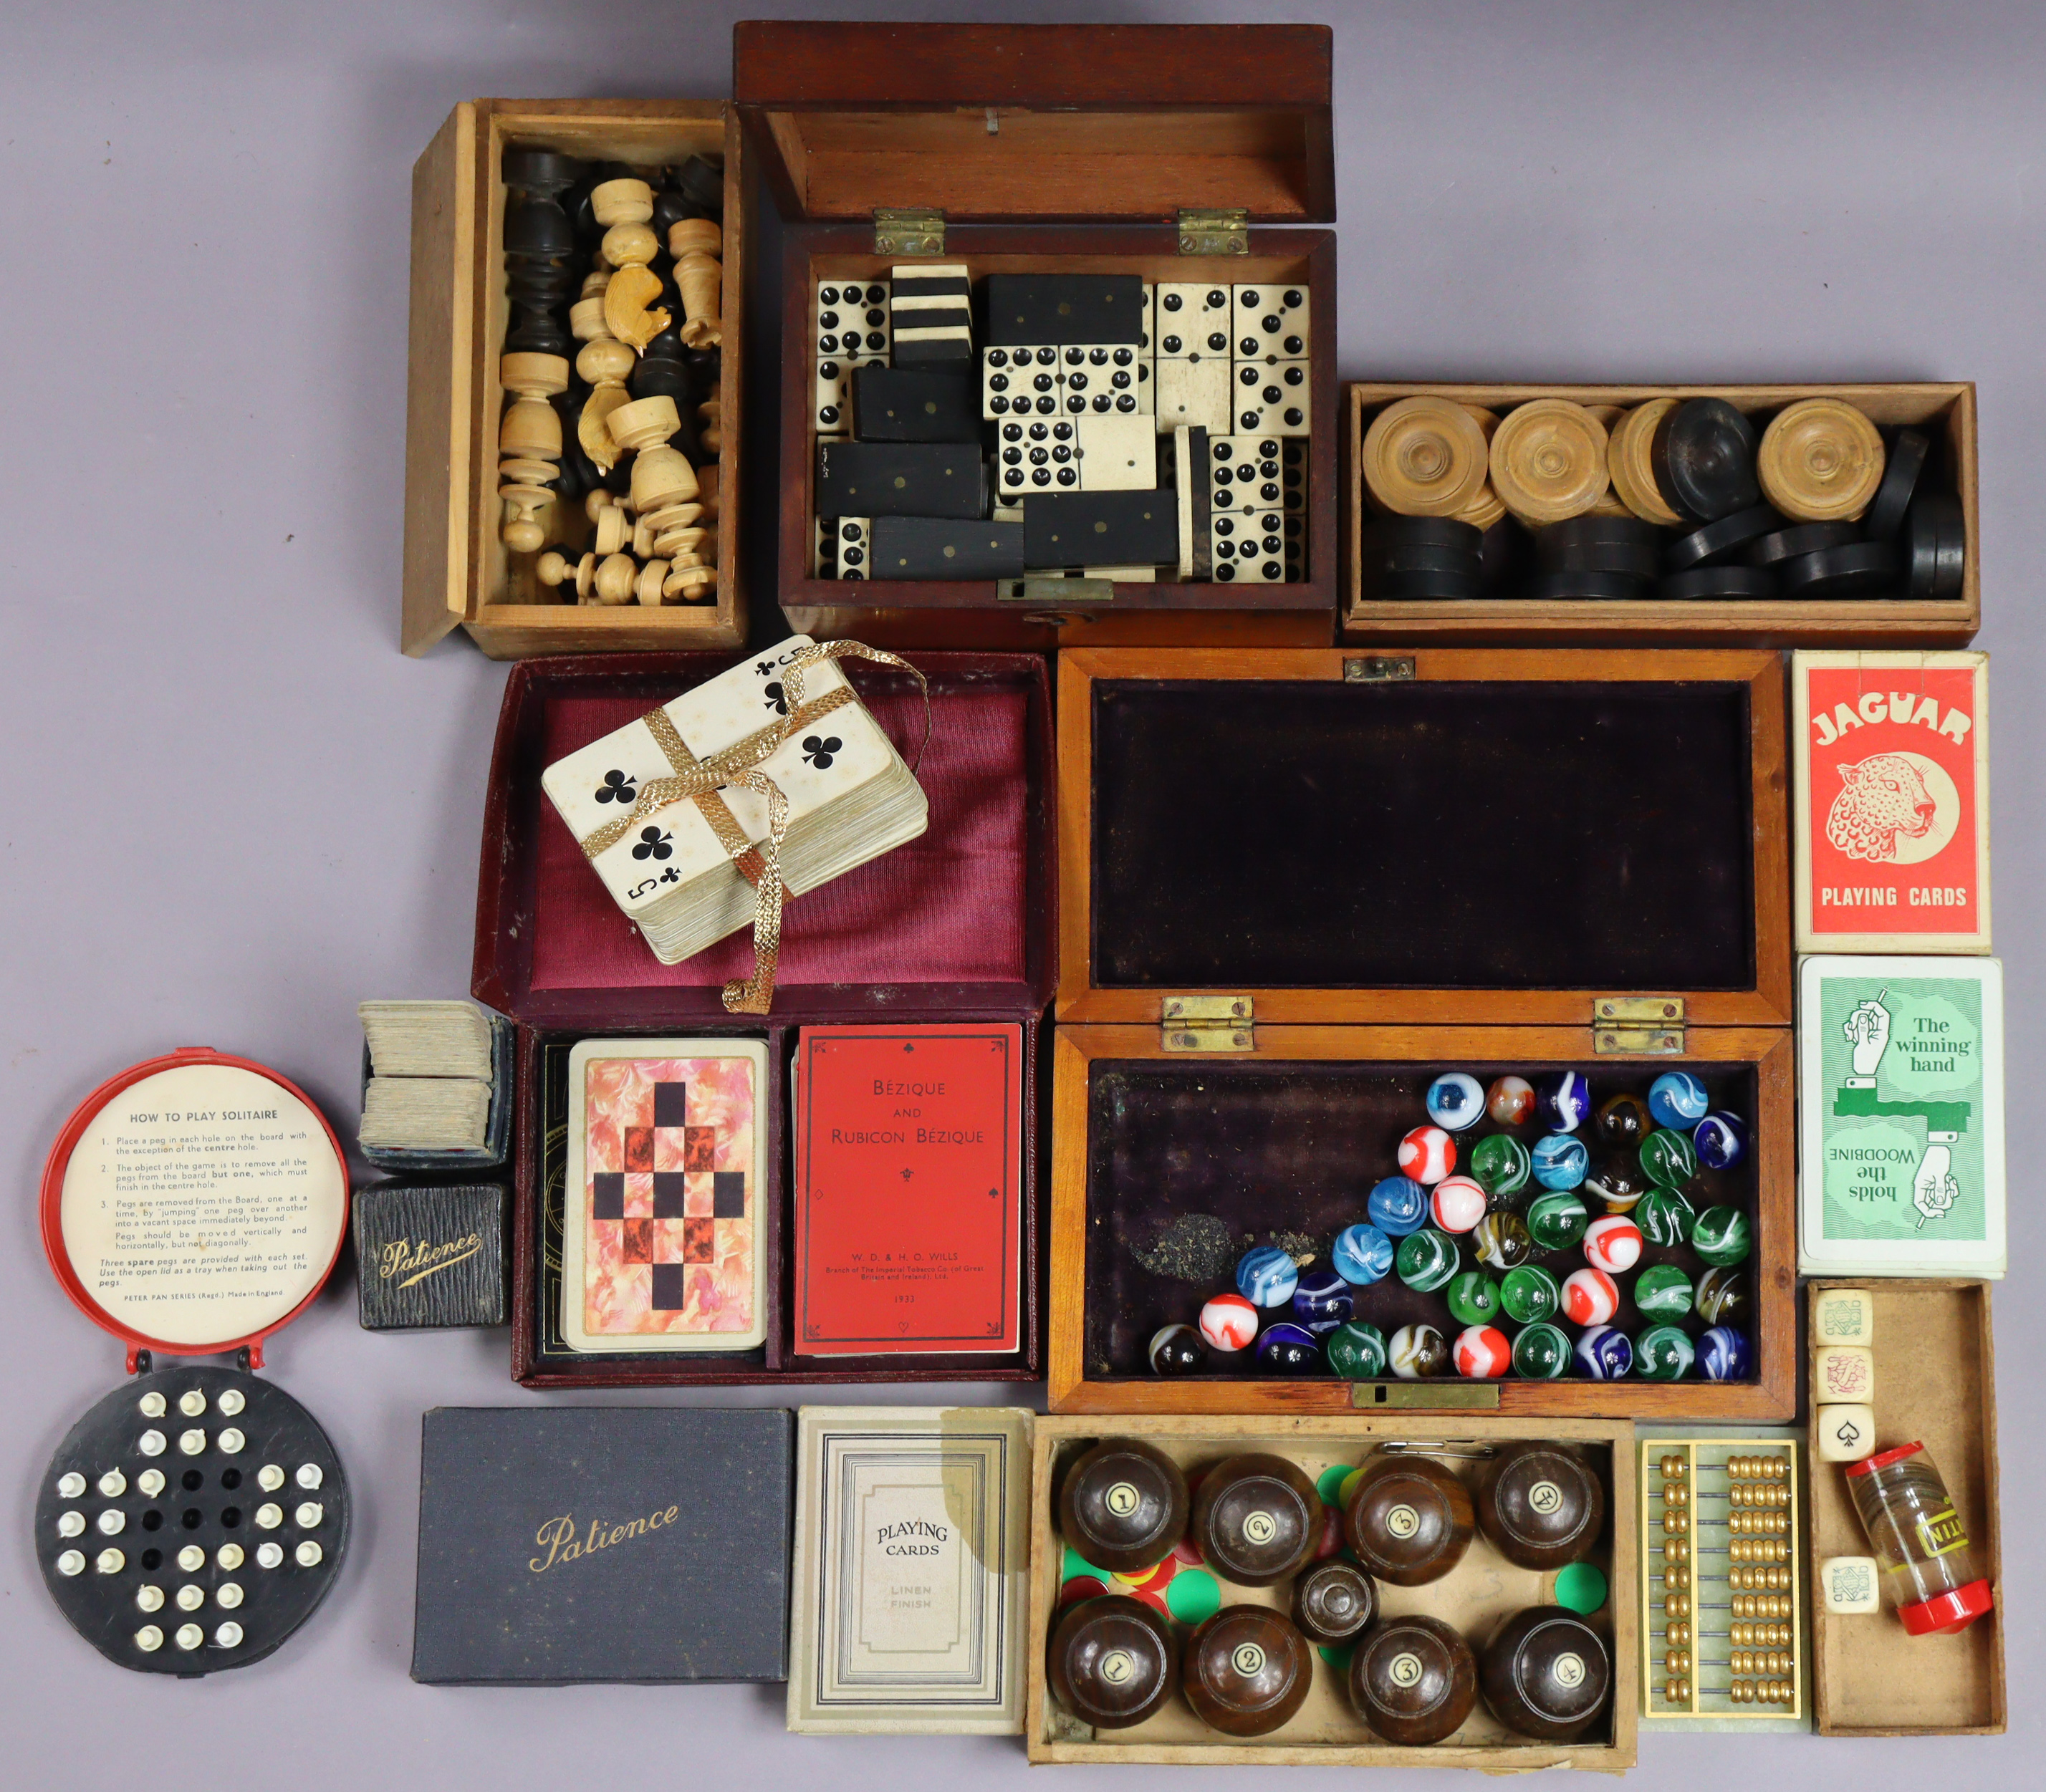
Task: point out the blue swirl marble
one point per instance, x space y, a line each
1604 1353
1677 1100
1563 1100
1289 1350
1721 1140
1722 1354
1323 1300
1361 1254
1455 1101
1560 1160
1398 1205
1267 1277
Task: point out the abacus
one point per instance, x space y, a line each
1723 1636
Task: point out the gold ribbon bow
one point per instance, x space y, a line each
699 780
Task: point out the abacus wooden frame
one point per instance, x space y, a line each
456 568
1049 1740
1947 410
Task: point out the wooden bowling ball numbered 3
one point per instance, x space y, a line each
1112 1662
1409 1520
1246 1670
1545 1673
1123 1505
1257 1519
1540 1506
1413 1680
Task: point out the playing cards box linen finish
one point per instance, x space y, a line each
1890 757
909 1147
602 1542
913 1541
1900 1109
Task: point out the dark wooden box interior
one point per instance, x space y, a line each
959 925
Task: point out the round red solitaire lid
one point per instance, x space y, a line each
1883 1458
194 1203
1946 1613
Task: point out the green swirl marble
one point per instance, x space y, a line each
1427 1260
1499 1162
1722 1235
1662 1292
1355 1351
1669 1158
1472 1298
1541 1353
1663 1353
1529 1294
1557 1220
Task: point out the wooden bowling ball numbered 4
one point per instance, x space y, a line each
1409 1520
1540 1506
1246 1670
1257 1519
1413 1680
1112 1662
1334 1603
1123 1505
1545 1673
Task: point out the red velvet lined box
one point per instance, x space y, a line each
959 924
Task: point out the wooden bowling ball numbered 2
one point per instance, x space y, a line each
1123 1505
1413 1680
1540 1506
1112 1662
1246 1670
1257 1519
1409 1520
1545 1673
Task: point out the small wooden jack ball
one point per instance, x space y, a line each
1413 1680
1334 1603
1123 1505
1112 1663
1409 1520
1246 1670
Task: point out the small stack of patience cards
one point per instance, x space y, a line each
851 799
661 1221
430 1084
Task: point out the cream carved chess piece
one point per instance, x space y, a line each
529 440
629 244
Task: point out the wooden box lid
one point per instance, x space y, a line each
994 123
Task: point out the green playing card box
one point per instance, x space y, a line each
1899 1083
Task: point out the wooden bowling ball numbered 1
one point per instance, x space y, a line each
1545 1673
1257 1519
1246 1670
1540 1506
1123 1505
1112 1662
1334 1602
1413 1680
1409 1520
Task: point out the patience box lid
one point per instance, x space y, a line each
991 122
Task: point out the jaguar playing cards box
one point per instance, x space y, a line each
1901 1117
1890 755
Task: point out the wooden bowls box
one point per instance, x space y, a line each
1021 147
456 570
957 925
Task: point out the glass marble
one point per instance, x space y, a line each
1499 1162
1557 1220
1427 1260
1541 1352
1604 1353
1472 1297
1612 1244
1624 1120
1560 1160
1455 1101
1668 1158
1228 1323
1662 1291
1457 1204
1722 1354
1355 1351
1531 1294
1322 1301
1417 1351
1617 1180
1564 1101
1501 1241
1677 1100
1665 1217
1427 1153
1721 1140
1722 1235
1483 1352
1288 1349
1663 1353
1590 1297
1510 1101
1361 1254
1397 1206
1267 1275
1177 1350
1726 1297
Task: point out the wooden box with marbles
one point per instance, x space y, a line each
1361 1591
1423 1035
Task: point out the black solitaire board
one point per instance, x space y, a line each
243 1467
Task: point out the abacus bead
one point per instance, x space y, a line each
1398 1205
1678 1100
1455 1100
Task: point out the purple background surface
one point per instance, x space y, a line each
232 810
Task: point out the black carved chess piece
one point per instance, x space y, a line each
539 249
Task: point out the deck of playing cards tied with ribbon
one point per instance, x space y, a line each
775 764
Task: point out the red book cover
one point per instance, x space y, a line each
909 1164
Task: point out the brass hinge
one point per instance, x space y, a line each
1638 1025
1213 230
1208 1023
1379 668
909 230
1431 1395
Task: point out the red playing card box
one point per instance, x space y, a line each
909 1154
1891 821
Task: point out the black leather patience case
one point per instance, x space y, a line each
430 1256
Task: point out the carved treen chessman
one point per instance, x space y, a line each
661 475
603 363
666 370
711 432
697 243
624 207
529 441
609 580
539 249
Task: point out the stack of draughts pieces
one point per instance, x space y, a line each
431 1073
851 799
